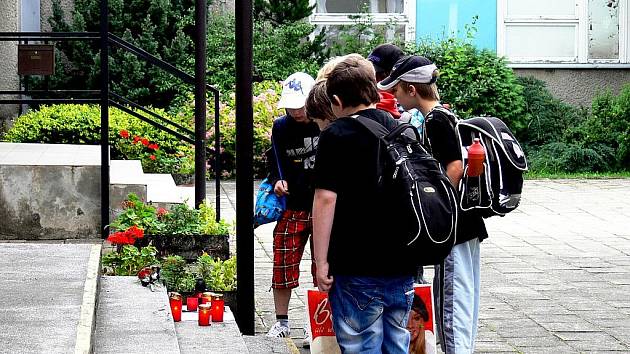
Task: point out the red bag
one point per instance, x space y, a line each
323 340
421 323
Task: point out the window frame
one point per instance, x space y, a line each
580 22
407 18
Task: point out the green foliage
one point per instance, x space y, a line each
217 274
173 272
129 261
209 225
162 28
135 212
359 37
181 220
574 158
609 125
80 124
271 60
475 82
548 118
265 105
282 11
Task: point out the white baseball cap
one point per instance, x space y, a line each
295 90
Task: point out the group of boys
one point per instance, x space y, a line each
329 178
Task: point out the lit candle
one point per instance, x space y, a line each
191 303
204 314
206 297
218 307
175 300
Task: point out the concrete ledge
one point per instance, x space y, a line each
133 319
87 321
219 338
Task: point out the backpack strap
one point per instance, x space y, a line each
452 119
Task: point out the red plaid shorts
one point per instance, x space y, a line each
289 239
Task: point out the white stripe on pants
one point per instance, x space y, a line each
456 286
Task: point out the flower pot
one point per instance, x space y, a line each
188 247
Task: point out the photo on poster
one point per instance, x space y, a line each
421 323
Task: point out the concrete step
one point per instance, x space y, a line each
219 338
133 319
48 300
126 172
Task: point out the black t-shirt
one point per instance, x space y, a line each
446 149
362 238
295 144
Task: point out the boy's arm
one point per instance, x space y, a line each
454 172
323 214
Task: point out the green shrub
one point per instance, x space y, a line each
80 124
608 124
572 158
129 261
548 118
265 101
282 11
475 82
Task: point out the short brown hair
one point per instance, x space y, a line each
318 103
425 91
353 80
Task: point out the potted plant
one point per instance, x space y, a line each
219 276
180 231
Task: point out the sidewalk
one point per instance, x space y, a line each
555 273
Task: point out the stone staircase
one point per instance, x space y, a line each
52 191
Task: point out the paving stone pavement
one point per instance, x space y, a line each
555 273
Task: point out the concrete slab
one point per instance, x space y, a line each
49 154
126 172
133 319
42 287
219 338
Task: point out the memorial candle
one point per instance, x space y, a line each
204 314
218 307
175 300
191 303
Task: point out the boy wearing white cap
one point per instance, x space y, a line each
295 138
456 282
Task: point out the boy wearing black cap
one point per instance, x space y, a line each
413 82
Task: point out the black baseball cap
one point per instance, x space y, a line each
384 57
414 69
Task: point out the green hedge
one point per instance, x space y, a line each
80 124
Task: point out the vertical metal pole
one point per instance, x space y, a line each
104 120
217 156
244 168
201 9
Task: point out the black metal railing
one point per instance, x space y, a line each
106 98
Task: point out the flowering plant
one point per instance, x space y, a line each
127 237
154 159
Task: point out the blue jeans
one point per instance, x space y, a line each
370 313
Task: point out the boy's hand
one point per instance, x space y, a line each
324 281
281 188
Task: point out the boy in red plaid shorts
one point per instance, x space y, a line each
295 139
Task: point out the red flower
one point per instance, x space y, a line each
124 134
145 141
154 147
135 232
152 157
136 139
120 238
161 212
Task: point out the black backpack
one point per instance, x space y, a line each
429 217
498 190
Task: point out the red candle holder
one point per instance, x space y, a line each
204 314
175 300
206 297
218 307
191 303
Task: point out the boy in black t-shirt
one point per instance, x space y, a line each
413 83
294 137
369 283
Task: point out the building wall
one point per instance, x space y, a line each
579 86
46 12
437 18
9 22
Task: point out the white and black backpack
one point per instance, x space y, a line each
427 217
498 190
